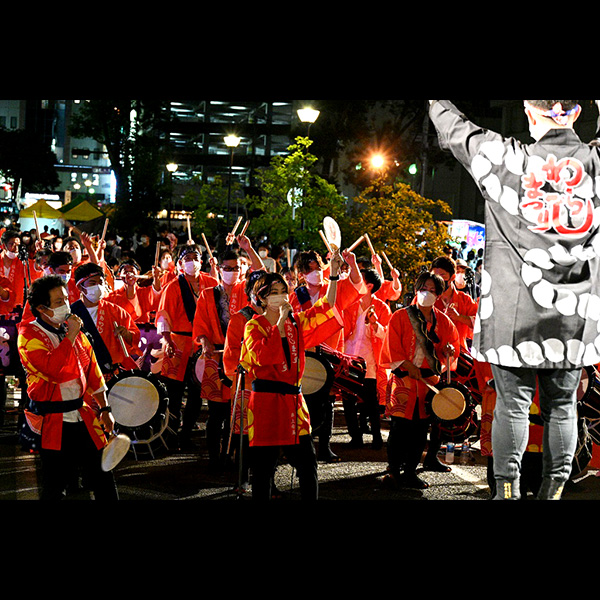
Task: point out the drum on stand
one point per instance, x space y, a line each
467 375
453 409
327 369
139 405
318 374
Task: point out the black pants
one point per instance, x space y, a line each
302 456
217 430
60 467
193 404
406 442
369 407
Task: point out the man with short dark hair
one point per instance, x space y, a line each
539 316
67 392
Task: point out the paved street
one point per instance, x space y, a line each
175 475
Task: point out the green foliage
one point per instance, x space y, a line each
293 200
406 226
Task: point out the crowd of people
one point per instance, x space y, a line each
227 310
244 332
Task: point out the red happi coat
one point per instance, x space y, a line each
464 305
405 393
16 278
207 323
109 314
6 306
347 294
144 301
278 418
47 365
231 361
172 310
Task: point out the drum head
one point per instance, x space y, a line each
114 452
332 233
315 375
134 400
449 404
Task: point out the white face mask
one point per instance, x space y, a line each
60 314
460 279
277 300
262 253
65 277
314 277
164 263
192 267
229 277
94 293
76 255
425 298
11 254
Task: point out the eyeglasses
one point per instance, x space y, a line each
230 269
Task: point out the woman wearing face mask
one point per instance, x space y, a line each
13 267
167 267
309 268
213 313
99 317
418 341
273 355
174 321
138 301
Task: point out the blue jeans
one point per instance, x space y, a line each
516 389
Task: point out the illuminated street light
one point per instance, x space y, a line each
232 141
308 115
377 161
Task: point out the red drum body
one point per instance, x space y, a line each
327 369
453 410
588 393
466 375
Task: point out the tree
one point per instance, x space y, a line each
129 129
27 162
208 201
409 228
294 200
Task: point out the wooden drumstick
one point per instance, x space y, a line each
207 246
121 340
245 227
387 260
368 240
325 241
104 230
189 230
237 224
359 241
37 228
157 255
289 258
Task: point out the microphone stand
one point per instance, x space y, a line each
239 394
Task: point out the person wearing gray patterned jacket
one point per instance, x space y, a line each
538 322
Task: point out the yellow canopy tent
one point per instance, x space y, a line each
80 210
44 213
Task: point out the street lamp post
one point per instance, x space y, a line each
171 168
231 141
308 115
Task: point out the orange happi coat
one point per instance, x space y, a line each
407 394
50 363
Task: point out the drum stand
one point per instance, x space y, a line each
239 393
